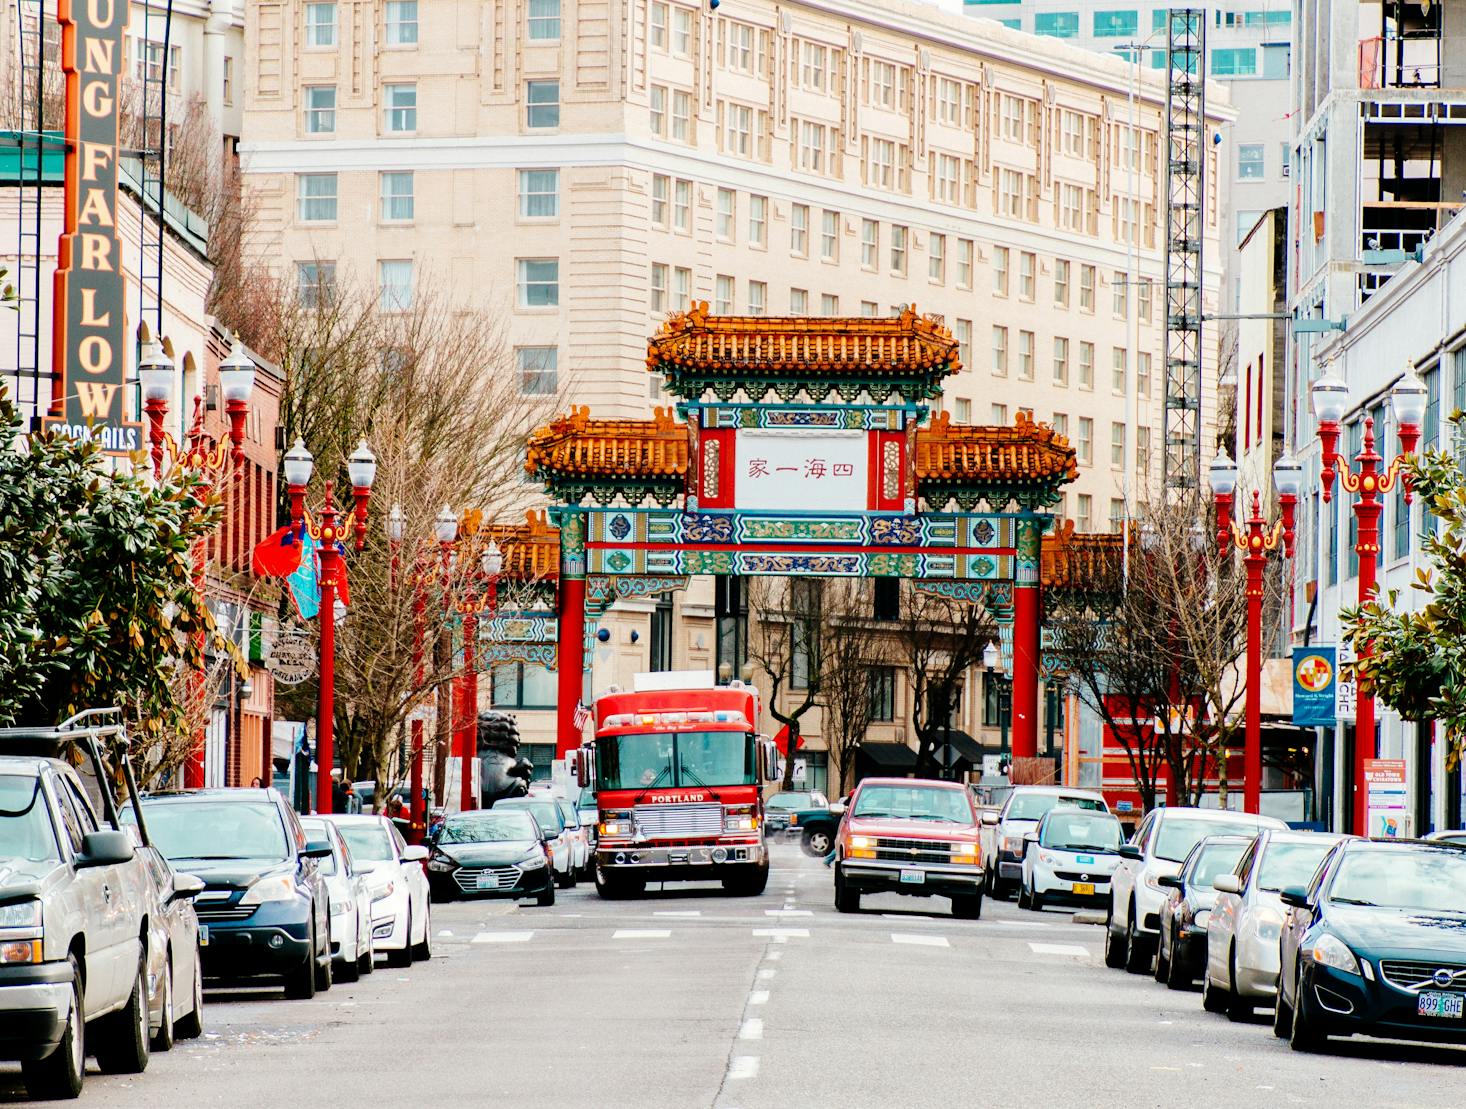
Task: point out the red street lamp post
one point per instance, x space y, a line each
329 535
1255 542
1407 402
205 457
491 562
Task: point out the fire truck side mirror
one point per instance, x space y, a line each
584 766
768 761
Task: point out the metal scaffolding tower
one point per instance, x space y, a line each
155 62
1185 194
31 141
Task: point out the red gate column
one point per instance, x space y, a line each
1027 607
570 653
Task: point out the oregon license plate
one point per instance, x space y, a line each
203 935
1084 889
914 877
488 881
1440 1005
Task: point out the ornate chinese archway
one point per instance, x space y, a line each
777 415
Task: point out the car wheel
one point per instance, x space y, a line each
1238 1008
423 951
1213 997
816 843
547 895
1115 950
300 983
847 900
1022 896
1282 1015
347 970
1162 960
368 961
325 971
967 907
1176 976
190 1026
403 956
58 1077
124 1034
1137 949
163 1037
1036 901
1304 1034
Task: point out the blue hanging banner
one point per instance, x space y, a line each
1315 675
305 586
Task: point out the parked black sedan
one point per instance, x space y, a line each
1376 945
499 852
1181 949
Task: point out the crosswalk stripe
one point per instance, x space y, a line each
641 934
919 939
753 1029
788 933
503 937
743 1066
1058 949
759 997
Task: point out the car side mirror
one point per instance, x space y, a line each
105 848
316 849
1130 851
1226 883
838 809
990 818
186 887
414 854
1297 898
1170 881
1030 837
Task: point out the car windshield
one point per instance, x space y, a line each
1082 831
1034 806
790 801
672 759
25 825
547 813
1432 879
1286 865
1215 858
368 842
209 828
1178 835
948 806
489 827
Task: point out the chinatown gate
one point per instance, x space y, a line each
800 447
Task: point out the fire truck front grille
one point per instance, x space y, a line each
678 821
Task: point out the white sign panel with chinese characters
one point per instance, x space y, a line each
813 470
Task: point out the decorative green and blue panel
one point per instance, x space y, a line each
854 417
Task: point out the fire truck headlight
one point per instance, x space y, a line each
616 828
740 823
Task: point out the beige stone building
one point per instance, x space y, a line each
585 166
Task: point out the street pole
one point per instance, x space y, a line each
468 706
330 533
1256 559
419 798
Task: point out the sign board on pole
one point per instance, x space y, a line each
1346 687
800 769
991 766
1387 800
1314 694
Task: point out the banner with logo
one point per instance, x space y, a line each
1315 672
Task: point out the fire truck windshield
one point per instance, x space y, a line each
670 759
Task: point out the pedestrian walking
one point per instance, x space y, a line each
339 801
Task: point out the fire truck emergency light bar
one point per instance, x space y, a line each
665 719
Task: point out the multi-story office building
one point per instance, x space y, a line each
1380 151
583 177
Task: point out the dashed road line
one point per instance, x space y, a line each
752 1029
677 912
786 911
919 939
785 933
743 1066
503 937
641 934
766 973
1068 949
759 997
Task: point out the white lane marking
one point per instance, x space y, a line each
1059 949
641 934
773 955
743 1066
571 916
759 997
786 911
767 973
907 916
444 932
919 940
785 933
677 912
503 937
753 1029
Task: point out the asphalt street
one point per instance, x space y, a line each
689 998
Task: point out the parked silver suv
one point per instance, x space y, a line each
74 921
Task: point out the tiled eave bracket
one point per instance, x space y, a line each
900 359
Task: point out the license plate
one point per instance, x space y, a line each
1440 1005
915 877
1087 860
1084 889
488 881
203 935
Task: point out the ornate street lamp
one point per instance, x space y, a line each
362 468
298 467
237 383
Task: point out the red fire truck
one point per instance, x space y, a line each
678 772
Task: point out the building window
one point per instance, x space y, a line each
681 116
682 207
962 410
1142 300
1061 283
758 221
1061 361
538 370
1060 424
998 414
1027 274
1085 446
1000 351
1086 365
1086 288
812 66
539 282
228 81
660 653
830 236
397 196
1142 451
1085 521
402 22
870 243
657 25
657 107
315 283
320 24
394 278
726 214
829 304
315 197
949 101
997 700
1025 356
1059 25
1117 515
1142 373
542 104
964 263
799 230
936 259
799 302
1251 162
962 332
811 146
722 295
524 685
1000 271
1237 62
738 130
880 167
758 298
681 32
658 286
320 109
730 615
869 308
539 193
947 179
544 20
661 196
899 235
681 288
882 691
1116 24
400 104
1117 445
1119 370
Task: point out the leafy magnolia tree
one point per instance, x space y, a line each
1417 661
99 606
852 648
